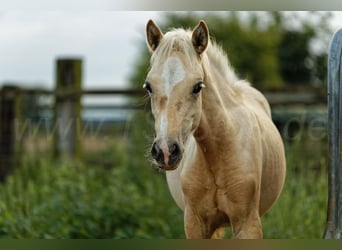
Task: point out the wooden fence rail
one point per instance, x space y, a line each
82 92
67 118
67 109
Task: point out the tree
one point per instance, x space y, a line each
299 62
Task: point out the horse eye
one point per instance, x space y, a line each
147 86
198 87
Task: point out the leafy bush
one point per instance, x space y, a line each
71 200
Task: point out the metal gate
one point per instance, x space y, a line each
334 212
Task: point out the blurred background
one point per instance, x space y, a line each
75 124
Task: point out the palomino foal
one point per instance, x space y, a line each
223 156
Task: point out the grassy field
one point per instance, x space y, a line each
128 199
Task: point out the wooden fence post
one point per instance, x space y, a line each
67 111
9 115
334 212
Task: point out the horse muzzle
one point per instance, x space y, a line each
167 154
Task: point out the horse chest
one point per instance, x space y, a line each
194 188
174 183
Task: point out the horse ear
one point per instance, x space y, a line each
200 37
153 35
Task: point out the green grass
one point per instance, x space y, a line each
300 212
46 199
71 200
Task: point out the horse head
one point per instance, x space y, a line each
174 84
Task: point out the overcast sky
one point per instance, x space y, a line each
108 41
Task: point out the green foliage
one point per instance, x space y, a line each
294 48
72 200
303 46
300 212
251 51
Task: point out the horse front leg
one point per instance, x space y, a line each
248 227
194 225
242 208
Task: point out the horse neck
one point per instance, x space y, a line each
218 98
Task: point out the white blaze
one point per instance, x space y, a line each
173 73
163 126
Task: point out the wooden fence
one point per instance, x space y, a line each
9 112
67 110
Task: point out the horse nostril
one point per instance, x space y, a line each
174 149
154 150
175 153
157 153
